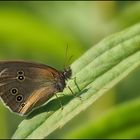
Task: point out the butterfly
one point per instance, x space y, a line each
26 85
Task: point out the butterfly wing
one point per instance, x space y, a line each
25 85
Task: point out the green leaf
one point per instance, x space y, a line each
122 121
98 70
3 121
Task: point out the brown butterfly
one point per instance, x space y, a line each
25 85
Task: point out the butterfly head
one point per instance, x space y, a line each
67 73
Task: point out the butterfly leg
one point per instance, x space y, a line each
59 101
76 84
73 93
74 78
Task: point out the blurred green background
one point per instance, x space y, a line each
40 32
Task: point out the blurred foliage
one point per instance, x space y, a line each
40 31
116 123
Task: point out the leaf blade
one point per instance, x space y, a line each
109 67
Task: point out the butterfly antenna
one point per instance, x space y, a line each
66 55
70 59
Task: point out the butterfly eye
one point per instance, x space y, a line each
14 91
19 98
20 72
21 78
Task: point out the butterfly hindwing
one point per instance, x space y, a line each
24 85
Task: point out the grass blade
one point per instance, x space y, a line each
98 70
